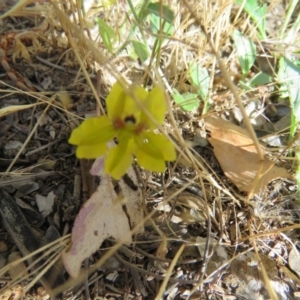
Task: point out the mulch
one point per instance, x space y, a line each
38 166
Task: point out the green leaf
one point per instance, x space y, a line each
289 76
186 101
160 14
161 11
140 50
107 34
246 51
200 80
257 13
245 86
259 79
156 22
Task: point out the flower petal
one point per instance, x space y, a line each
115 101
119 159
93 131
156 105
156 145
153 150
131 107
91 151
163 144
150 163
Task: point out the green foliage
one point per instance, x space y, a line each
246 51
200 80
256 12
291 11
107 34
161 18
260 78
140 49
162 11
289 77
156 21
186 101
160 15
257 80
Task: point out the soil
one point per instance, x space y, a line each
230 244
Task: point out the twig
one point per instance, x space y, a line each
265 276
180 262
168 274
42 147
130 265
138 282
29 137
22 178
60 68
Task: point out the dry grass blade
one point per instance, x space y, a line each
11 109
195 235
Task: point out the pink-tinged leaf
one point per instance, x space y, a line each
98 167
133 196
101 217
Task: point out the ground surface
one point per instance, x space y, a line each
237 244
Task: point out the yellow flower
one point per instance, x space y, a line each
133 129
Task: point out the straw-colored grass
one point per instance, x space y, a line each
229 220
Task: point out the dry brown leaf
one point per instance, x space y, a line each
101 216
238 158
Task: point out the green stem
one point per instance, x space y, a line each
287 18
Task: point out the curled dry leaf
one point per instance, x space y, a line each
238 157
101 217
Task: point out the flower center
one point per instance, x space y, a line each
118 124
130 124
130 120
